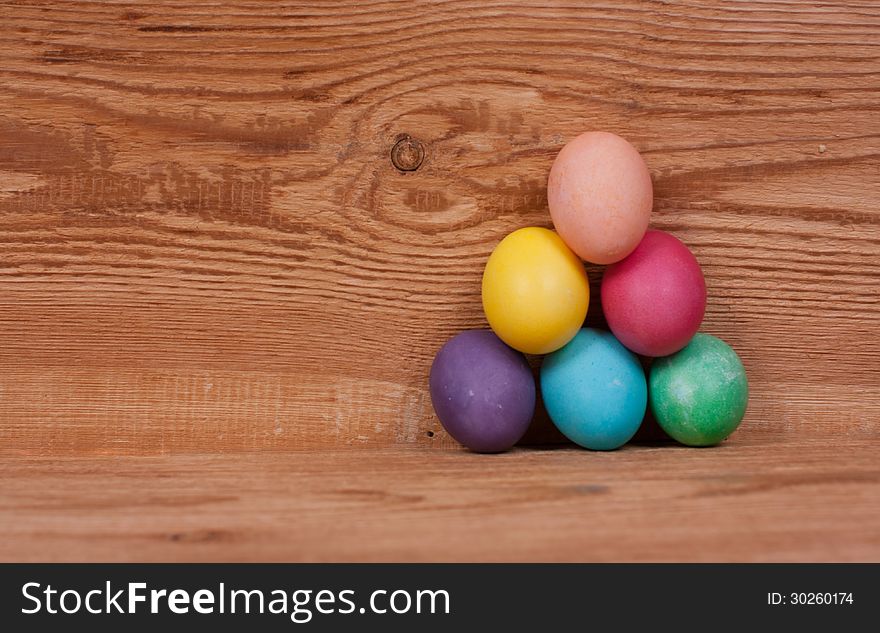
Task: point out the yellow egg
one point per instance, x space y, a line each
535 291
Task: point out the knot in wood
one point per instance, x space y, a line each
407 154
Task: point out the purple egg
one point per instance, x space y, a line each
483 391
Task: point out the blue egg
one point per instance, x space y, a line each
594 390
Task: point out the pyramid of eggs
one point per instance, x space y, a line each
536 295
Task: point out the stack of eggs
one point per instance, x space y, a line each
536 295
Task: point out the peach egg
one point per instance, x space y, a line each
600 197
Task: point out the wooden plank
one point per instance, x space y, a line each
746 501
204 245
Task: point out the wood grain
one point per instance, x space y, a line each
807 500
207 249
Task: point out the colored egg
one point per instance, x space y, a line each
654 299
535 291
594 390
699 394
483 391
600 196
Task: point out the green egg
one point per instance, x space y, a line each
699 394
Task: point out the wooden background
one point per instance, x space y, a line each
206 247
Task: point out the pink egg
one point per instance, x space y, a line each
600 197
654 299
